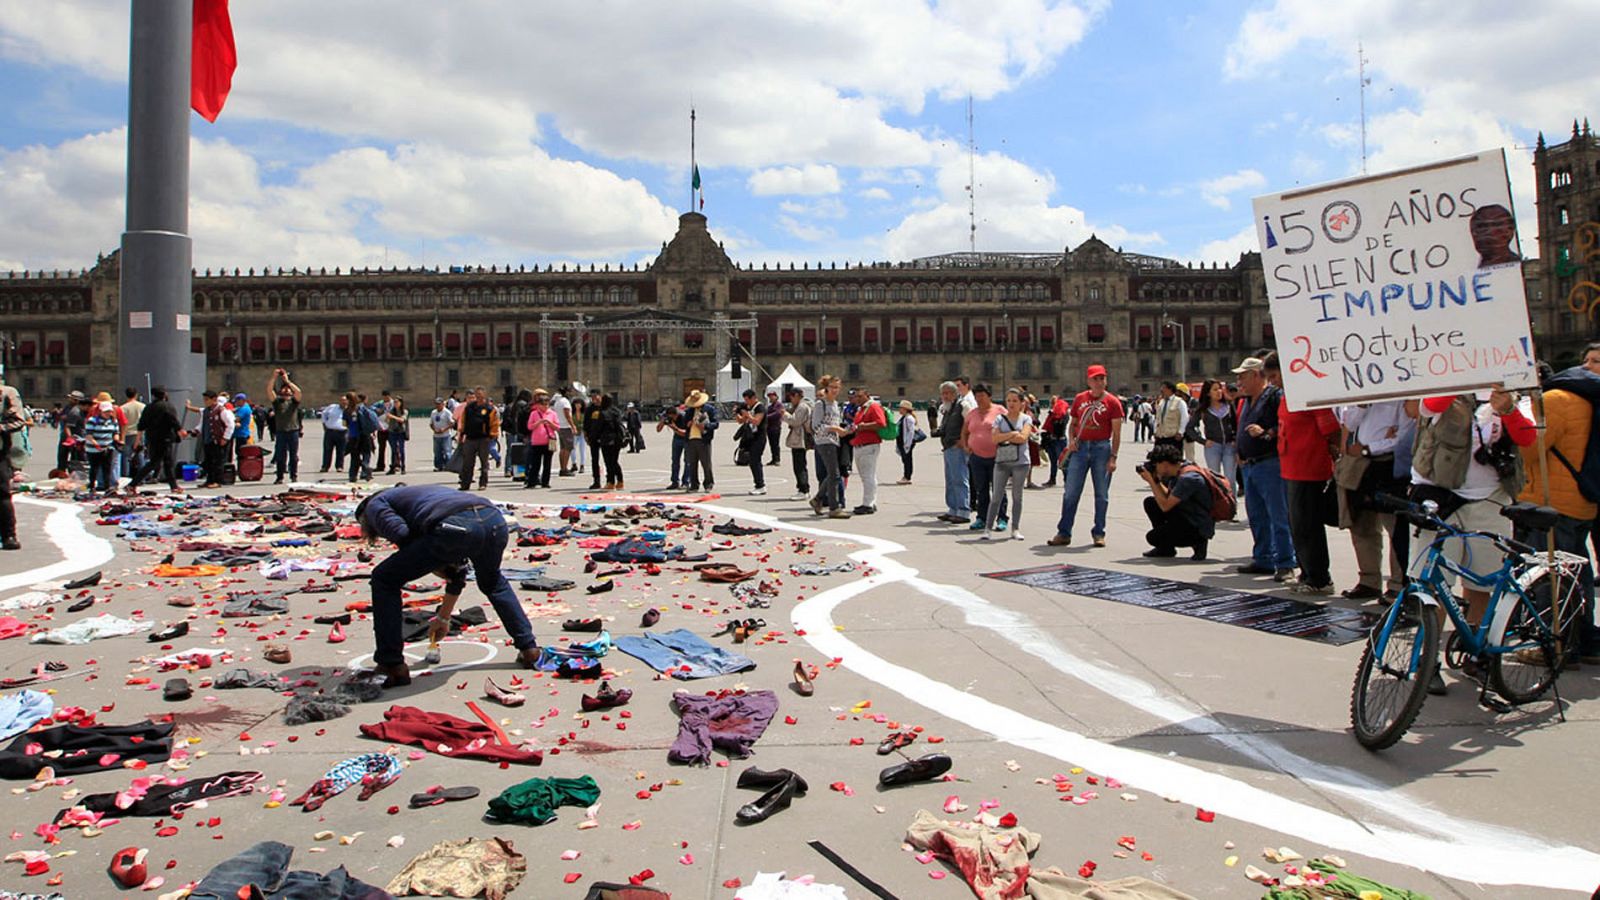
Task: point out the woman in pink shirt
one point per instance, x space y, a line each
543 433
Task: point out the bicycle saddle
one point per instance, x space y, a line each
1530 516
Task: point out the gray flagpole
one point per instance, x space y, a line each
156 295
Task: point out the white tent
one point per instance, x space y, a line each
729 389
792 378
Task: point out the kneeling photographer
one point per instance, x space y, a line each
1466 460
1179 506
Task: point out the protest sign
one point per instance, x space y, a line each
1405 284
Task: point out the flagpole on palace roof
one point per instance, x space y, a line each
694 169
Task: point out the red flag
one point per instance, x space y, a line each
213 60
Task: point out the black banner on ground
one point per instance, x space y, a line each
1261 612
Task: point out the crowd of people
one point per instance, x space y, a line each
1299 473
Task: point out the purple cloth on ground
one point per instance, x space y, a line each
731 723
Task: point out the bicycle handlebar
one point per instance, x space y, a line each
1427 513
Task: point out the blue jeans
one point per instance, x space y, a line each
266 865
1224 460
679 442
980 475
441 451
685 653
286 452
957 487
476 535
1268 508
1091 458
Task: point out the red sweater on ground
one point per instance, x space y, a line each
1303 443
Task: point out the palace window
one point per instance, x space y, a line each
1096 333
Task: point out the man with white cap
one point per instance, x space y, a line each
1265 502
1094 437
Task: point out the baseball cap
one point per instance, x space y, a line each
77 397
1096 371
238 396
1251 364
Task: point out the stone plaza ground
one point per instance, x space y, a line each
1148 720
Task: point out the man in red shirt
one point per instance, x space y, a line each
1094 437
1307 443
866 443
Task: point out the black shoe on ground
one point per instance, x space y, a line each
756 778
773 801
1253 569
924 768
10 543
1199 554
1160 552
1361 592
865 510
1436 686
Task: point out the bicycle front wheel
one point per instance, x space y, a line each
1401 657
1529 668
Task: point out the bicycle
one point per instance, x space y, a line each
1515 643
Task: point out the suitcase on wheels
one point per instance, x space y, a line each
252 463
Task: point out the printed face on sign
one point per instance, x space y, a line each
1401 285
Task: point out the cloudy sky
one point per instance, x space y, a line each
397 132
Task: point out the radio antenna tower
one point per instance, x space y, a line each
1361 63
972 182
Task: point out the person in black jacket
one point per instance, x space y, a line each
162 430
592 426
434 527
612 434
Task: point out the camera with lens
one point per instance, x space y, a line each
1501 456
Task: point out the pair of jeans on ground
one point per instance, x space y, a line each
1092 460
1267 506
476 535
266 866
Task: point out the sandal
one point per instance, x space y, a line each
436 795
896 741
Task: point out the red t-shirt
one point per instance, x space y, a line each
1303 443
868 420
1092 416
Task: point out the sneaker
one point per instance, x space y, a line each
799 495
1160 553
865 510
1315 590
988 535
1060 540
977 525
1001 524
838 514
1099 541
757 492
1016 535
816 505
1436 685
1283 576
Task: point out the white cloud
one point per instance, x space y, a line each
65 204
804 180
1226 250
875 193
1014 209
1218 191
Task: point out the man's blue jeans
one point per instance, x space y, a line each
441 451
286 452
678 443
957 487
1268 508
476 535
1092 458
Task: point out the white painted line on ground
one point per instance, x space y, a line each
65 529
1472 851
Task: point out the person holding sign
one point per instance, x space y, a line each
1470 487
1265 503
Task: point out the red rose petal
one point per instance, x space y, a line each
1205 815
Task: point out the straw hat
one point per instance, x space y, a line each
696 399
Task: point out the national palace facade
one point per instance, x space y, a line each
650 331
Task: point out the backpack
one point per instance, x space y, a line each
1224 506
1585 384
